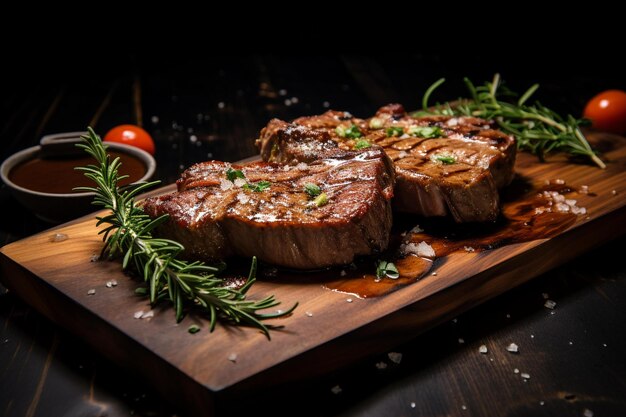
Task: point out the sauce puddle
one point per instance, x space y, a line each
528 213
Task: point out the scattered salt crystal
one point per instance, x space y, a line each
193 138
545 295
483 349
287 102
239 182
148 314
464 407
412 404
604 344
343 273
453 122
552 313
232 357
286 167
94 258
417 229
91 291
508 316
221 105
562 208
516 371
547 182
295 100
434 274
349 300
513 348
559 198
403 154
111 284
584 189
559 181
614 192
525 375
461 340
282 92
309 314
455 321
302 166
59 237
532 336
243 197
279 311
336 389
225 184
571 343
550 304
579 210
542 402
587 413
469 249
381 365
395 357
421 249
491 359
154 119
570 202
326 104
138 314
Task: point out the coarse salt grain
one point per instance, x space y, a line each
469 249
59 237
395 357
239 182
584 189
545 295
302 166
381 365
112 283
434 274
464 407
461 340
550 304
559 181
343 273
482 349
94 258
232 357
412 404
138 314
403 154
309 314
587 413
91 291
417 229
148 314
525 375
513 348
349 300
542 402
243 198
421 249
516 371
225 184
336 389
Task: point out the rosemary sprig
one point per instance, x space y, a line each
129 233
537 128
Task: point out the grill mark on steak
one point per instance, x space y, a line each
213 218
466 189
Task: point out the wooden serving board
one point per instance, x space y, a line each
326 331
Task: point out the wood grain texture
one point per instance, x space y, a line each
55 277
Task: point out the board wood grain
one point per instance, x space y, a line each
326 331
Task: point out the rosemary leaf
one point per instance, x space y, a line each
185 284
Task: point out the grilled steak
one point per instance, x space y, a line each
444 165
214 217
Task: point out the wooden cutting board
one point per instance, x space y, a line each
329 329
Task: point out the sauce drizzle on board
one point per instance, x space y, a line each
529 212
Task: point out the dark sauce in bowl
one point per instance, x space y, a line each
58 176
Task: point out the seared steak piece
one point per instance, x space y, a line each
444 165
215 217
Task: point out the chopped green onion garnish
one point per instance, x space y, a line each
426 132
258 187
362 144
387 269
352 132
445 159
233 174
321 200
376 123
312 189
394 131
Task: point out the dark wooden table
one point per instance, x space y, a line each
201 109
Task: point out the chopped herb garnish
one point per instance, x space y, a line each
321 200
312 189
233 174
194 328
362 144
394 131
445 159
426 132
376 123
351 132
387 269
258 187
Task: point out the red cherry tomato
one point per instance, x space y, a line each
607 111
131 135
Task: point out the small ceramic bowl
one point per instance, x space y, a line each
55 207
